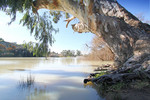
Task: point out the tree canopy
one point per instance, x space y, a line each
39 24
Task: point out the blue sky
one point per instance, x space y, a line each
137 7
66 38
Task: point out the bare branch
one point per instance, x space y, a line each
68 20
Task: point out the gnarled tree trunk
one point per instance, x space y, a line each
128 38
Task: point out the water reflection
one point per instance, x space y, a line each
41 93
68 61
17 64
26 82
54 79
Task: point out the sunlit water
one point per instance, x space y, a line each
54 79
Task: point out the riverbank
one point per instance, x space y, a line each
130 94
135 89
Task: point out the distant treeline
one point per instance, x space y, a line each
8 49
66 53
31 49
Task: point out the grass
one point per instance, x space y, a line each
27 82
139 84
100 74
122 90
136 85
112 88
117 87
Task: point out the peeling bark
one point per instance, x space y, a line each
127 37
80 27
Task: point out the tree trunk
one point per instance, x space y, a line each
128 38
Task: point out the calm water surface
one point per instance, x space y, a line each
54 79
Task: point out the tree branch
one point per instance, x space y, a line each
68 20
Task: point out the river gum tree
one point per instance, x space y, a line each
126 35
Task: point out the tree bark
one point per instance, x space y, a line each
128 38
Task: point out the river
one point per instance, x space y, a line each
52 79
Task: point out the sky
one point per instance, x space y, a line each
66 38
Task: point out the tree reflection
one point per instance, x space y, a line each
67 61
17 64
33 91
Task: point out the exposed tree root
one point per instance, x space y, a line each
111 79
136 71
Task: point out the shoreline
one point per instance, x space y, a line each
137 89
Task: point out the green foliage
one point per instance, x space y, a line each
105 88
29 46
36 49
78 53
68 53
100 74
12 6
13 50
40 50
67 15
56 15
40 25
117 87
139 84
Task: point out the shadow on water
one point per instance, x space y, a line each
61 73
100 92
